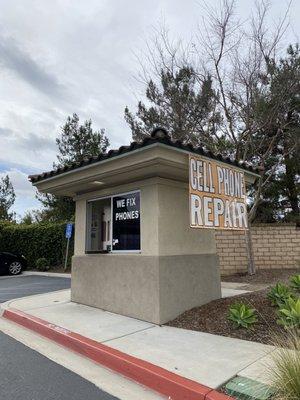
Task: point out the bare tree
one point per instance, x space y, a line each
240 57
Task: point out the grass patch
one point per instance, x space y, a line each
285 370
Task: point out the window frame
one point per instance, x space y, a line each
88 223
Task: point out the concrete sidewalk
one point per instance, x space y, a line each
205 358
230 289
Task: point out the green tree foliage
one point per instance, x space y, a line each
36 240
183 104
79 141
281 194
75 143
7 199
55 208
28 218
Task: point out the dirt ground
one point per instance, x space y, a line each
212 317
268 276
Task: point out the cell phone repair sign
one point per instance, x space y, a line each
217 195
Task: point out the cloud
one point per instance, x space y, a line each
15 59
60 57
29 151
4 132
33 141
25 193
19 180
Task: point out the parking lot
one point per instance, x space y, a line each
21 286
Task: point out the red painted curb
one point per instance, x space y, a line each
156 378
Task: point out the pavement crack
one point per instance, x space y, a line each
128 334
257 360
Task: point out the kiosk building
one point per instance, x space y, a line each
136 252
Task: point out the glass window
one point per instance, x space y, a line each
126 222
114 224
98 222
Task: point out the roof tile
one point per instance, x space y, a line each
159 135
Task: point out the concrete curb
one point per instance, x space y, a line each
48 274
167 383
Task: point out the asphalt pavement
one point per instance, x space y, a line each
21 286
27 375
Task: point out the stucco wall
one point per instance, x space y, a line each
177 268
80 225
152 288
274 246
175 234
126 284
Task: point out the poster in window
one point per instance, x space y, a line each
126 222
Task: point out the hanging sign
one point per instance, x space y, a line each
217 195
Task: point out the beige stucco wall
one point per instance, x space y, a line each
151 288
187 281
126 284
175 235
80 228
149 226
177 268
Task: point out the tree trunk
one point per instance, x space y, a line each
250 254
290 179
248 237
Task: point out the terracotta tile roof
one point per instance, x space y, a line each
159 135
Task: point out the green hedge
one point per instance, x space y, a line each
36 241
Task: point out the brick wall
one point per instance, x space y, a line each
274 245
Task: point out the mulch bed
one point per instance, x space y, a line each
212 318
268 276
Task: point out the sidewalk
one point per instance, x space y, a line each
208 359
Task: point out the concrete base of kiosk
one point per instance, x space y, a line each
152 288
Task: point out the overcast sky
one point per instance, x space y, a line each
63 56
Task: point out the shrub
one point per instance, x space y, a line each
279 294
42 264
295 283
284 371
290 314
242 315
34 241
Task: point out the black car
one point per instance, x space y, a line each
12 264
